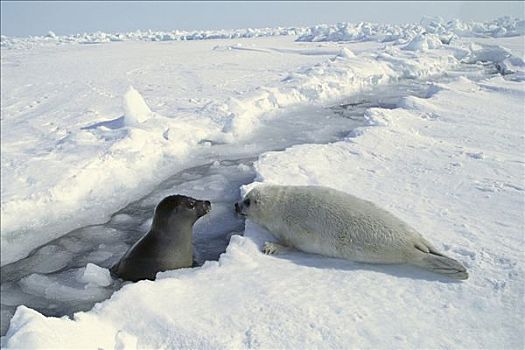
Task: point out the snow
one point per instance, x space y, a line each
136 111
51 39
87 182
446 31
345 53
363 31
67 144
431 131
423 42
506 62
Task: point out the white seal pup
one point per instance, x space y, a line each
325 221
168 244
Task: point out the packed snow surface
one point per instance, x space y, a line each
438 128
422 162
104 159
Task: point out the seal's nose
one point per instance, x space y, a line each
237 208
207 206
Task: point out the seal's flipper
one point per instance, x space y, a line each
274 248
439 263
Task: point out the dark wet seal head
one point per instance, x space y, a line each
168 244
179 207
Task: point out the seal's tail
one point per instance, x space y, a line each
434 261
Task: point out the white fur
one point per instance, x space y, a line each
332 223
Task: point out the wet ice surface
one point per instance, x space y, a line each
54 279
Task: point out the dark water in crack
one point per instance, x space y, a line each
51 279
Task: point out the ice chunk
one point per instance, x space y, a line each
364 31
122 218
487 53
423 42
95 275
64 287
136 110
511 65
51 35
346 53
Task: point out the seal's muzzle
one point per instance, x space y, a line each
203 208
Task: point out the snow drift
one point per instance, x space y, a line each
247 299
426 159
148 146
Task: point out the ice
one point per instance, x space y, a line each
75 166
424 133
514 67
446 31
149 35
100 256
218 181
486 53
505 61
124 218
136 111
423 42
87 183
346 53
51 288
95 275
359 32
125 341
40 262
363 31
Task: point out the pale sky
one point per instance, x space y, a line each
70 17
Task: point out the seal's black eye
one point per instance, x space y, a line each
191 205
246 202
